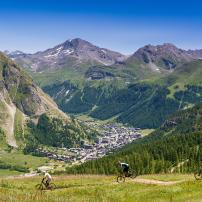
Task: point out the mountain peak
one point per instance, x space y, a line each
73 53
166 56
164 46
170 45
76 42
79 40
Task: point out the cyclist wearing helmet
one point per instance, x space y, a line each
124 167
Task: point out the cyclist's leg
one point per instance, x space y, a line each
127 172
48 182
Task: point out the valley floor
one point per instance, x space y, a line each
98 188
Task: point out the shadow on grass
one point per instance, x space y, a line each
68 186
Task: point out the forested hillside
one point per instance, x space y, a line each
54 132
178 140
144 105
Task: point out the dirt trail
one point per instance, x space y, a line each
9 124
156 182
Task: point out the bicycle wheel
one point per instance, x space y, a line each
121 178
39 187
198 175
133 174
52 186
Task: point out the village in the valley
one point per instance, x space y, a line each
112 137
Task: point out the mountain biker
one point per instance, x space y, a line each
124 167
47 177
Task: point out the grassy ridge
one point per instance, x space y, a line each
47 78
189 73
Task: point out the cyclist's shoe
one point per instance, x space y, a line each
127 175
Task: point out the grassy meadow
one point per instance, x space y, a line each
89 188
19 159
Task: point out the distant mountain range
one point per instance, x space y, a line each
78 52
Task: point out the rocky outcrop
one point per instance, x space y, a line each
97 73
21 89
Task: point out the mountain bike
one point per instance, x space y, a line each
44 186
198 174
122 176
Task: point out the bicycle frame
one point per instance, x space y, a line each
44 183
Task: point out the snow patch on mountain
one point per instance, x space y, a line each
68 51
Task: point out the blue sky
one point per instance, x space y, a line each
122 25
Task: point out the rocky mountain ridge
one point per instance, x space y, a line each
74 53
82 58
166 56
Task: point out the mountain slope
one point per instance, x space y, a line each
144 105
163 57
23 102
189 73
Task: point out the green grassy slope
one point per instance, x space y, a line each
141 71
129 72
17 161
189 73
98 188
50 77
